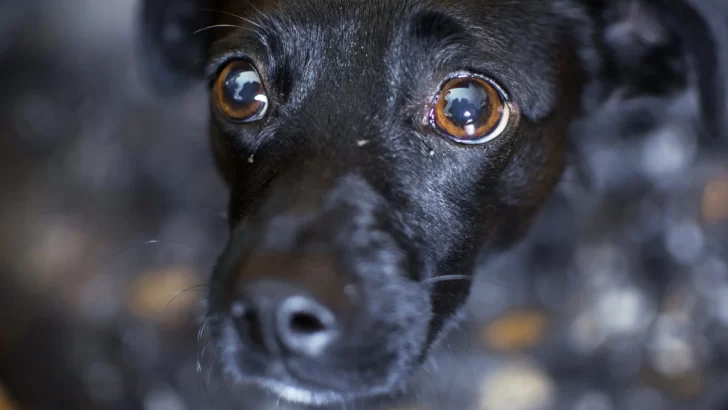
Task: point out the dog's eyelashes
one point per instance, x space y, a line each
239 92
470 109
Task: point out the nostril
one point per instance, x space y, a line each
306 323
305 327
274 317
248 323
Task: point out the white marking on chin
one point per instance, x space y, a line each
297 395
229 349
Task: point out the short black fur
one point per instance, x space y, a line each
346 191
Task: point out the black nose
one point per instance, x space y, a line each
276 315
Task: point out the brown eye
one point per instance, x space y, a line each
470 110
239 92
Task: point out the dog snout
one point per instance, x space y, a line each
284 318
307 289
290 303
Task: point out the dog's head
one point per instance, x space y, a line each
376 150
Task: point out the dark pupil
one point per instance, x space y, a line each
466 103
242 86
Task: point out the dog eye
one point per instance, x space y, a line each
239 92
470 110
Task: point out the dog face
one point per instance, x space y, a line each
375 151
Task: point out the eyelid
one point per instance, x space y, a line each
217 63
491 79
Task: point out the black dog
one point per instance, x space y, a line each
377 149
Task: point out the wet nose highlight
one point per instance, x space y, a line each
300 324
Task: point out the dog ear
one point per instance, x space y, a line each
172 42
659 48
174 36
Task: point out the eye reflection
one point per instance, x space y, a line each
470 109
240 93
466 103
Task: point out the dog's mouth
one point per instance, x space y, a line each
372 354
271 374
298 395
312 384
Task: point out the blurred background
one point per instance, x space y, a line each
111 216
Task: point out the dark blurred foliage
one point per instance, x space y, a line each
111 215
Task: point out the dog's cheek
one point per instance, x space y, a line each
448 300
535 167
530 178
413 315
223 151
540 154
401 311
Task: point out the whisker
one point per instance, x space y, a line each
434 383
161 242
446 278
201 384
255 8
204 347
202 328
464 331
179 292
234 15
200 356
217 26
135 244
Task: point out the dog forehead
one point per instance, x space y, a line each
372 45
332 52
